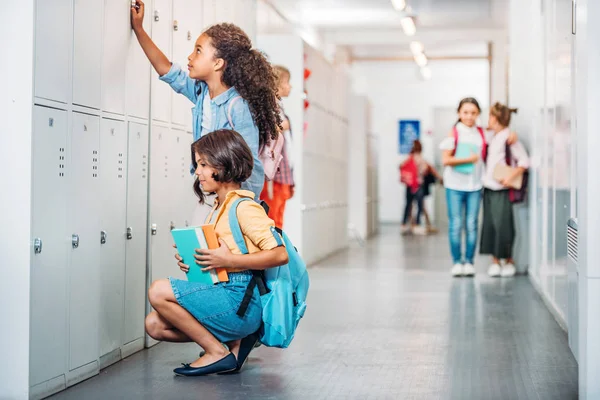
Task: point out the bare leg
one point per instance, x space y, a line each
163 300
161 329
496 260
234 346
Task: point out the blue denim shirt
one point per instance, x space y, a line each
241 117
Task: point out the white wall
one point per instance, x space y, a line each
16 42
396 92
358 158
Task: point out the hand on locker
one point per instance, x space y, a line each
185 268
137 14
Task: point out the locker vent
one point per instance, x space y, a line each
61 158
572 243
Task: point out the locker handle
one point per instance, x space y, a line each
75 241
103 236
129 233
175 25
172 225
153 229
37 245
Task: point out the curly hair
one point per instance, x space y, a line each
249 71
227 152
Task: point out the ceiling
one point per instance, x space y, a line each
446 26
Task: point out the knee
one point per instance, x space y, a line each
158 290
454 225
153 326
471 224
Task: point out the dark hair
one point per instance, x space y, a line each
502 113
416 147
467 100
227 152
248 70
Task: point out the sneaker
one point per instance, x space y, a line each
494 270
404 230
508 270
420 230
457 270
468 270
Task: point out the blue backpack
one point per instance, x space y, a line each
282 289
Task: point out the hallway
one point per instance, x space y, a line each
385 321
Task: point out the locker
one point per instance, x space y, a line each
209 13
112 186
137 86
224 11
84 291
162 174
53 38
116 36
137 207
186 19
182 179
161 35
48 342
87 52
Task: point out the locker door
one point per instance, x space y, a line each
209 13
224 11
186 17
84 292
183 208
48 342
137 91
137 207
162 171
53 39
161 34
112 185
116 36
87 52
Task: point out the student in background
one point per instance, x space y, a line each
226 79
278 191
498 230
207 314
412 173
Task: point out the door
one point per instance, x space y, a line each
117 28
112 185
87 52
53 39
48 341
183 181
186 29
162 173
84 291
137 207
137 91
161 35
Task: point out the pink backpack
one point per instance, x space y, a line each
270 154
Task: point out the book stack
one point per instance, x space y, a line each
187 241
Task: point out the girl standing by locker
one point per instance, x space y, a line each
228 81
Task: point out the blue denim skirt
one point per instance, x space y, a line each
215 306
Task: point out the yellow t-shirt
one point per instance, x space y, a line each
254 222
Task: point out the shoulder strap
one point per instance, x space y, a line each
484 143
234 225
507 154
455 133
231 103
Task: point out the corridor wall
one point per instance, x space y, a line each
316 217
111 158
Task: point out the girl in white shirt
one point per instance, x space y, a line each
498 231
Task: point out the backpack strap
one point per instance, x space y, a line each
231 103
258 276
507 154
484 144
455 134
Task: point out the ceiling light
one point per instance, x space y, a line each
416 47
426 73
399 5
421 59
408 26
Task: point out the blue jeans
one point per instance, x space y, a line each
463 210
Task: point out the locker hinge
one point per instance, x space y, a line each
75 241
37 245
129 233
103 236
153 229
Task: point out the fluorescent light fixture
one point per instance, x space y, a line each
426 73
399 5
421 59
416 48
408 26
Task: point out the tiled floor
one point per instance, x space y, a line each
384 322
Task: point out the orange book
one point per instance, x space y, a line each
213 243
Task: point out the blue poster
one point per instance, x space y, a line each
408 132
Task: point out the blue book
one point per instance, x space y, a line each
466 150
187 241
